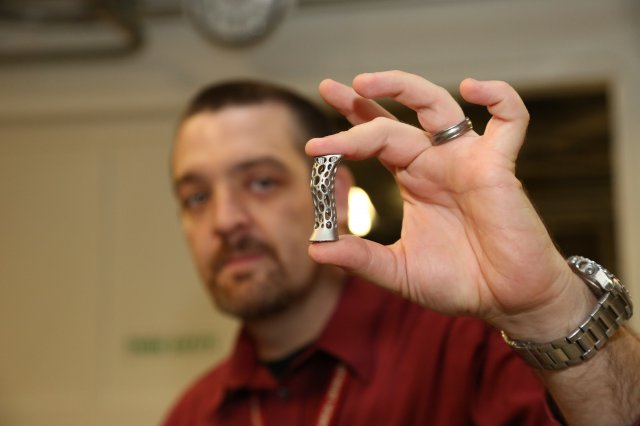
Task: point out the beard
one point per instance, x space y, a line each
252 293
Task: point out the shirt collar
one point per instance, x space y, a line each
245 370
350 333
349 336
242 370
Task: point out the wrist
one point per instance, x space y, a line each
559 316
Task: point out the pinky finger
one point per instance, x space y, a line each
510 116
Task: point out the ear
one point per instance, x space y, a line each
344 182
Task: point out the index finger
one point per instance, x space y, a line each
395 144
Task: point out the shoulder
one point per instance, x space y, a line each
399 313
404 324
199 398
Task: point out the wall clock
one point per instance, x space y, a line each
236 22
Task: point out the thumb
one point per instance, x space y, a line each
367 259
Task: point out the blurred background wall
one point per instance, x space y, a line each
102 319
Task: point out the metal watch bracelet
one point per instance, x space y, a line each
614 307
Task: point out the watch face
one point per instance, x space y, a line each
236 22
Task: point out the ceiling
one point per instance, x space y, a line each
35 30
42 30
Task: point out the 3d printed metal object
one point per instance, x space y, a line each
323 179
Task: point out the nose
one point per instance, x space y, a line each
229 212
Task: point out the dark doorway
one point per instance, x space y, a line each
564 166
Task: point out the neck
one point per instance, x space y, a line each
299 324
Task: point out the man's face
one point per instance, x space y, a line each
246 209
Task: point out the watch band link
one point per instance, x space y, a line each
613 308
581 344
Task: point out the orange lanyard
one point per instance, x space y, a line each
329 404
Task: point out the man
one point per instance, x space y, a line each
319 346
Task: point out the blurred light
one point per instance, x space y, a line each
361 212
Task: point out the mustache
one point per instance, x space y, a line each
234 246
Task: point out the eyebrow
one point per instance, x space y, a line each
195 177
187 179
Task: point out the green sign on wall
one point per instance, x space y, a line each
161 345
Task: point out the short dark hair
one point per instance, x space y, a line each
312 120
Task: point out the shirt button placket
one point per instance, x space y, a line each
283 392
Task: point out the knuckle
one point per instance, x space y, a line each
380 122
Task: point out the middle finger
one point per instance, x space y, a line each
436 108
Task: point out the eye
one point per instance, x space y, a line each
195 200
262 184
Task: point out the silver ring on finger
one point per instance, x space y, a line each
453 132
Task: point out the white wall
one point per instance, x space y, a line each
92 256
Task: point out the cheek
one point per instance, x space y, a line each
198 245
292 214
300 218
296 225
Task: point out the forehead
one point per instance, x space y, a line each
214 142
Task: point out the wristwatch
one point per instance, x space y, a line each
614 307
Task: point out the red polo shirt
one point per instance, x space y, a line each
406 366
